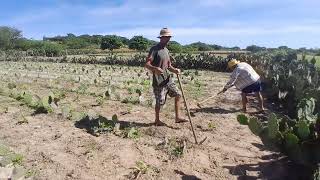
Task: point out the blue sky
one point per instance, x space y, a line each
270 23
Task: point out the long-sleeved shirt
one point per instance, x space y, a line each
242 76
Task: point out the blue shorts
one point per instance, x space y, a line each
255 87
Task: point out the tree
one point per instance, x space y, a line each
283 47
111 43
139 43
85 37
26 44
55 39
124 40
188 49
70 35
236 48
303 49
8 37
152 42
201 46
254 48
75 43
96 39
215 47
52 49
204 48
174 47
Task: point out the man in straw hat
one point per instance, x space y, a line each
245 78
159 62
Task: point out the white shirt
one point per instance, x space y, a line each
242 76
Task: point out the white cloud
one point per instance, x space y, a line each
220 31
34 16
190 20
293 35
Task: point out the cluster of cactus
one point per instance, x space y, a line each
298 138
45 104
174 146
184 61
80 51
200 61
12 55
102 125
40 105
131 99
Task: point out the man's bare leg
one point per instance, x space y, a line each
260 99
157 119
244 101
177 110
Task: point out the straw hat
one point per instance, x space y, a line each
165 32
232 63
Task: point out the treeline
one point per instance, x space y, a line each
12 39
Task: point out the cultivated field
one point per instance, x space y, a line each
76 121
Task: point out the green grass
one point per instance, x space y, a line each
17 159
309 57
31 173
14 158
4 151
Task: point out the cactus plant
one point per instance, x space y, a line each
242 119
115 118
255 126
133 133
27 98
303 129
306 108
273 126
283 125
45 104
66 112
291 141
76 116
14 93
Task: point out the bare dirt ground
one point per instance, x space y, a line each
54 147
